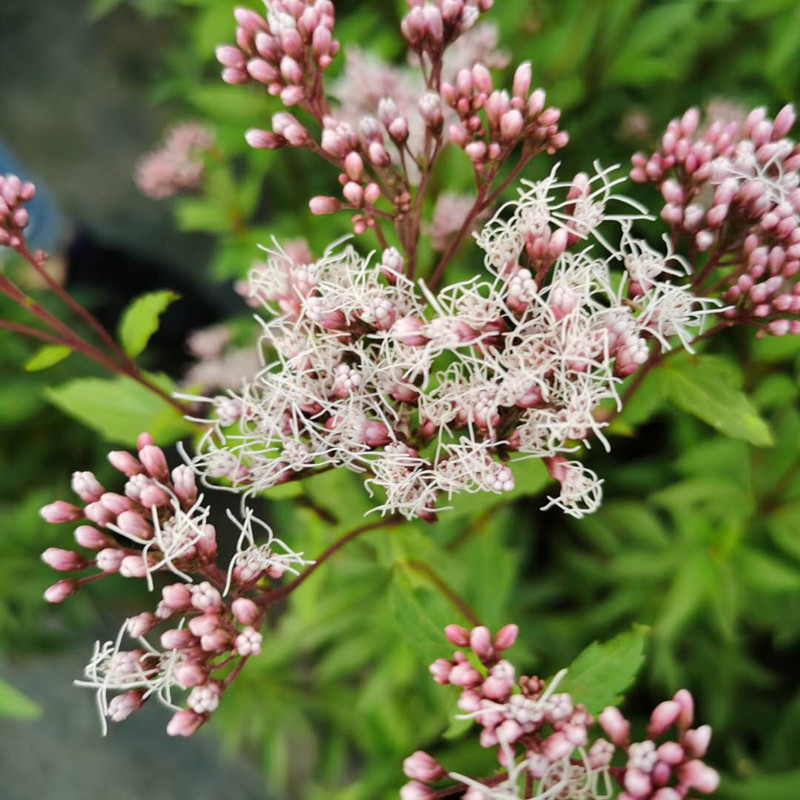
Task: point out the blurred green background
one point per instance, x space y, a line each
699 537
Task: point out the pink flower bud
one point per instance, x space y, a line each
637 783
511 124
190 675
110 559
123 705
440 670
663 717
666 793
416 791
133 567
99 514
671 753
60 511
353 193
177 596
230 56
323 205
697 775
615 725
141 624
116 503
457 635
423 767
464 674
63 560
86 486
375 434
480 640
177 638
686 702
184 485
155 462
784 121
505 637
522 80
184 723
696 741
60 591
215 642
245 611
263 140
354 166
557 746
398 130
90 538
407 331
125 462
132 523
153 496
379 155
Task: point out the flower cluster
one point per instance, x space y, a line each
431 394
732 189
177 164
545 741
385 139
209 627
14 218
287 51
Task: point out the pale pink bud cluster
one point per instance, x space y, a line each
287 50
430 26
158 514
671 769
14 218
547 742
732 191
491 123
177 164
200 634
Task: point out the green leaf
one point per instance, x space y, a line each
141 318
15 704
119 409
47 356
780 786
412 619
600 675
710 388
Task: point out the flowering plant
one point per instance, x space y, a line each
448 345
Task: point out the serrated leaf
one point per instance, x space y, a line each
602 673
140 320
47 356
412 619
119 409
710 388
15 704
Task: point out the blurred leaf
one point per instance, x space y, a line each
602 673
710 388
119 409
140 320
47 356
15 704
766 573
782 786
413 619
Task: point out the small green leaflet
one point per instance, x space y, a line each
15 704
710 388
120 409
47 356
602 673
140 320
